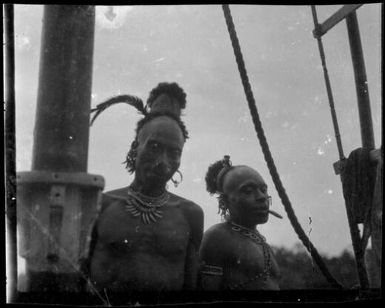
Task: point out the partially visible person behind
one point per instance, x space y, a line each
233 254
147 238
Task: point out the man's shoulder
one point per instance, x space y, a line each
217 231
187 204
119 192
113 196
216 242
194 215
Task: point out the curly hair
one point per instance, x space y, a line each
171 89
131 155
212 185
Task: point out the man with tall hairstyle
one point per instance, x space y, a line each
147 238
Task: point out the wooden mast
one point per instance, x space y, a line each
57 201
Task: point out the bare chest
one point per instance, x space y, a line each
247 255
251 265
123 234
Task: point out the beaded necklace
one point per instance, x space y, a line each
257 238
148 208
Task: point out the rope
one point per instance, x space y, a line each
266 152
328 86
358 243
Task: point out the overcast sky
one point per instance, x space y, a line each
145 45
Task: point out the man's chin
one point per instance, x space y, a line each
157 179
262 219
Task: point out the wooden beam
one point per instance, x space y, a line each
335 18
9 134
361 82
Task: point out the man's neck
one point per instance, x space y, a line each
243 222
148 190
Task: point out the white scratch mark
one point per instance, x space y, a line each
320 151
159 60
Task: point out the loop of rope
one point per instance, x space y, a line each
267 154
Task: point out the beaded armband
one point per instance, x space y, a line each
212 270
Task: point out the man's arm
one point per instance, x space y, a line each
191 268
86 262
211 261
195 218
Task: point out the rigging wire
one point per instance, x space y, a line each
358 243
267 154
328 86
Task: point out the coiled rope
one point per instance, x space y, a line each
267 154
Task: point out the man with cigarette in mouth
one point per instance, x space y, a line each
233 254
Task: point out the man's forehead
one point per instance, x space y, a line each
161 126
241 175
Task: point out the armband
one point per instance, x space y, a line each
212 270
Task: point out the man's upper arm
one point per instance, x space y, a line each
195 219
196 222
94 232
211 257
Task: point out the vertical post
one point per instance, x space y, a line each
58 201
367 136
374 256
10 149
377 210
64 96
365 115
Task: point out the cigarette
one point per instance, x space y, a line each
275 214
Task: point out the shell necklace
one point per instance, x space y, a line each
148 208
